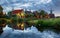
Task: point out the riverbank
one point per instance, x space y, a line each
42 24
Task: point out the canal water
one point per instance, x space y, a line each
28 33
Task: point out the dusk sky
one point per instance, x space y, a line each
8 5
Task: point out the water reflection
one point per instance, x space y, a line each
28 33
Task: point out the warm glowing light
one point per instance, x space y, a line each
22 26
22 14
18 25
18 14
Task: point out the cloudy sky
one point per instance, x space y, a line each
32 5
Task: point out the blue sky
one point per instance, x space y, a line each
32 5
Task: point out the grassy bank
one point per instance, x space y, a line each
40 24
43 24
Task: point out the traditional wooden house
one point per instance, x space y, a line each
18 13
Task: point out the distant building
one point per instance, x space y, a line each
51 15
36 14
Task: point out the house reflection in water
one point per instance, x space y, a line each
16 16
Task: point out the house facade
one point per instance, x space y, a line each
19 13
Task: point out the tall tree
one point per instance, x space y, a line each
43 13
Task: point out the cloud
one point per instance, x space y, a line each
27 4
6 9
46 1
2 2
30 4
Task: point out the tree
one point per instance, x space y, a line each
10 13
43 13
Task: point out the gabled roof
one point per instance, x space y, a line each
17 11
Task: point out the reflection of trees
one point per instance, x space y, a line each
2 23
9 14
15 21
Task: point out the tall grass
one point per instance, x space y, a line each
42 24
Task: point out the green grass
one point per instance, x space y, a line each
42 24
46 22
